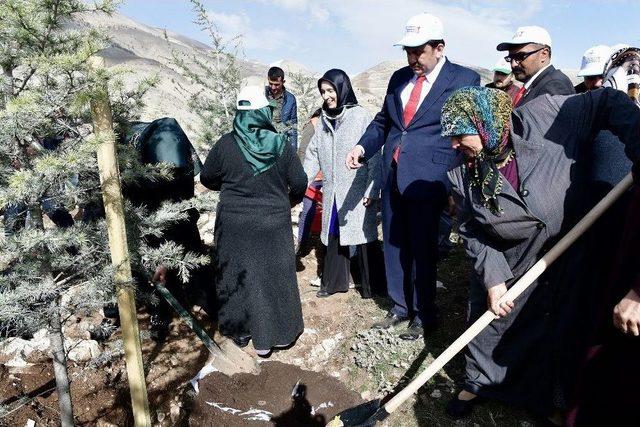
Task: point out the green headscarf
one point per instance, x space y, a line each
485 112
257 138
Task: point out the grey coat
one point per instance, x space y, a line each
512 359
327 152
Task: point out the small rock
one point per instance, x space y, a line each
160 416
84 350
261 403
174 412
103 423
436 394
30 423
17 365
366 395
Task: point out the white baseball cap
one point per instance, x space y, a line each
419 29
502 66
251 98
525 35
594 60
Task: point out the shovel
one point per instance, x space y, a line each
188 319
369 413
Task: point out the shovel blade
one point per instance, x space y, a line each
364 415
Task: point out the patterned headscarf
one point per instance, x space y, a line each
476 110
622 72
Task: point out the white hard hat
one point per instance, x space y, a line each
619 46
251 98
502 66
525 35
419 29
594 60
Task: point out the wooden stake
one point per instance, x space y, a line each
113 206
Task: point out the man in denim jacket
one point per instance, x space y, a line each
285 116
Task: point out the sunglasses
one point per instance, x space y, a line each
521 56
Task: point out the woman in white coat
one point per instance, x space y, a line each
349 215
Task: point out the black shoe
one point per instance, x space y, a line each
457 408
242 341
322 294
391 319
414 331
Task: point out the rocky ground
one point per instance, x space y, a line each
338 359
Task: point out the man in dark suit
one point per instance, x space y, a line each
530 59
415 162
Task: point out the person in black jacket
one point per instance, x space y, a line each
530 59
259 177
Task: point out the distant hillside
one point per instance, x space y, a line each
146 52
373 82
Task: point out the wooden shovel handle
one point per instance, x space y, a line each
525 281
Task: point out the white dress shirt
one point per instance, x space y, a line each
426 85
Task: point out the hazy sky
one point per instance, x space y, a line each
357 34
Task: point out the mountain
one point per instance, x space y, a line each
146 51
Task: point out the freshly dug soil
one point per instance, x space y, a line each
266 399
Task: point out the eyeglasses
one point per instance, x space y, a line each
521 56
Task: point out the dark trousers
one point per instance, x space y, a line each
411 253
365 267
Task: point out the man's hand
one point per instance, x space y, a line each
368 201
494 294
160 275
353 157
626 315
451 206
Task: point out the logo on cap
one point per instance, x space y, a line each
412 29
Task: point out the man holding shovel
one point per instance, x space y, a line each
517 183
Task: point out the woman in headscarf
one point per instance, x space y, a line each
349 210
259 176
518 184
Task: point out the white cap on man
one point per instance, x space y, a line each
251 98
525 35
420 29
594 60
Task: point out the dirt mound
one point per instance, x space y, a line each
282 395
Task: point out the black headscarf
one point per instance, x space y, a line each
345 95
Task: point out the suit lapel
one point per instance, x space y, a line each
437 89
538 81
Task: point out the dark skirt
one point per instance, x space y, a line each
366 267
255 277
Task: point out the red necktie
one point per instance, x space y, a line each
410 109
518 96
414 98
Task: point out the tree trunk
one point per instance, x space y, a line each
60 367
59 355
